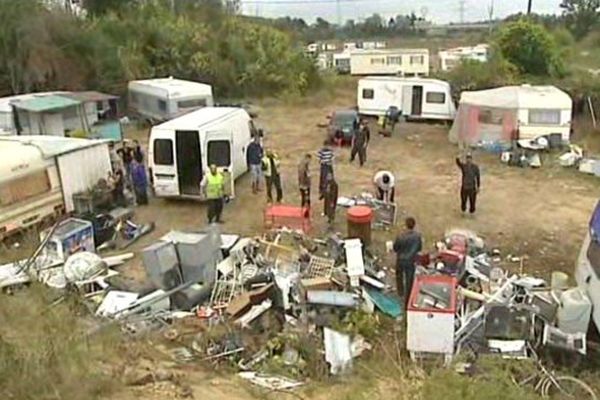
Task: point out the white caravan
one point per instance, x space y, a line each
181 150
167 98
40 174
399 62
417 98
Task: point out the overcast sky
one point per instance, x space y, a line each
440 11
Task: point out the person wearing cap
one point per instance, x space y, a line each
470 183
384 184
213 187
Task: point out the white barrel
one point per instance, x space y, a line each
574 312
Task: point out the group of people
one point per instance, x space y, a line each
128 174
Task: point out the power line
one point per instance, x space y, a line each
461 10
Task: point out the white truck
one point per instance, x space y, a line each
181 150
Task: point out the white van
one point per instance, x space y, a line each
418 98
40 174
167 98
181 150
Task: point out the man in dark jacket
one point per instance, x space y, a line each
360 141
330 198
304 181
407 246
471 183
254 156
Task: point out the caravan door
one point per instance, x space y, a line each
407 94
417 101
219 151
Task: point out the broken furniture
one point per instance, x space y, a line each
279 215
70 236
430 316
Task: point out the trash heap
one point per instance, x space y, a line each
464 296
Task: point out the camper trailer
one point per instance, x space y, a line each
181 150
509 113
450 58
417 98
40 174
167 98
403 62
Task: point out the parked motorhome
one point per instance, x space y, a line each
40 174
341 62
167 98
181 150
417 98
403 62
452 57
509 113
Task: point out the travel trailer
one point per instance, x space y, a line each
167 98
417 98
403 62
181 150
450 58
40 174
509 113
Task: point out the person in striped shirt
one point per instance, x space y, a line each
325 156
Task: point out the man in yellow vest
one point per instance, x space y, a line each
270 164
213 187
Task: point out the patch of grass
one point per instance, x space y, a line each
45 354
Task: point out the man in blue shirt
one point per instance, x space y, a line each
254 156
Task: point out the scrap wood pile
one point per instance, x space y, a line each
462 294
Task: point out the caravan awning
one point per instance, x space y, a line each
89 96
45 103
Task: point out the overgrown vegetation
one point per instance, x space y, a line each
46 50
44 353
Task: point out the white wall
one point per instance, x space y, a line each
80 170
529 132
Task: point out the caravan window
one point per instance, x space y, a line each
544 117
24 187
162 105
368 94
378 61
435 97
163 152
491 116
193 103
417 60
395 60
219 153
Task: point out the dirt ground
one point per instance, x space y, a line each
540 213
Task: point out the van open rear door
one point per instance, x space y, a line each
162 164
219 151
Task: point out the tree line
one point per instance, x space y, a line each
43 48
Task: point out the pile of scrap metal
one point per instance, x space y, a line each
66 257
469 302
226 298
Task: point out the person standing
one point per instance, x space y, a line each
330 198
407 246
470 183
213 187
384 184
137 153
360 141
118 186
326 157
304 181
271 168
254 156
139 180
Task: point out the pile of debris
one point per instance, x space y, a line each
469 301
